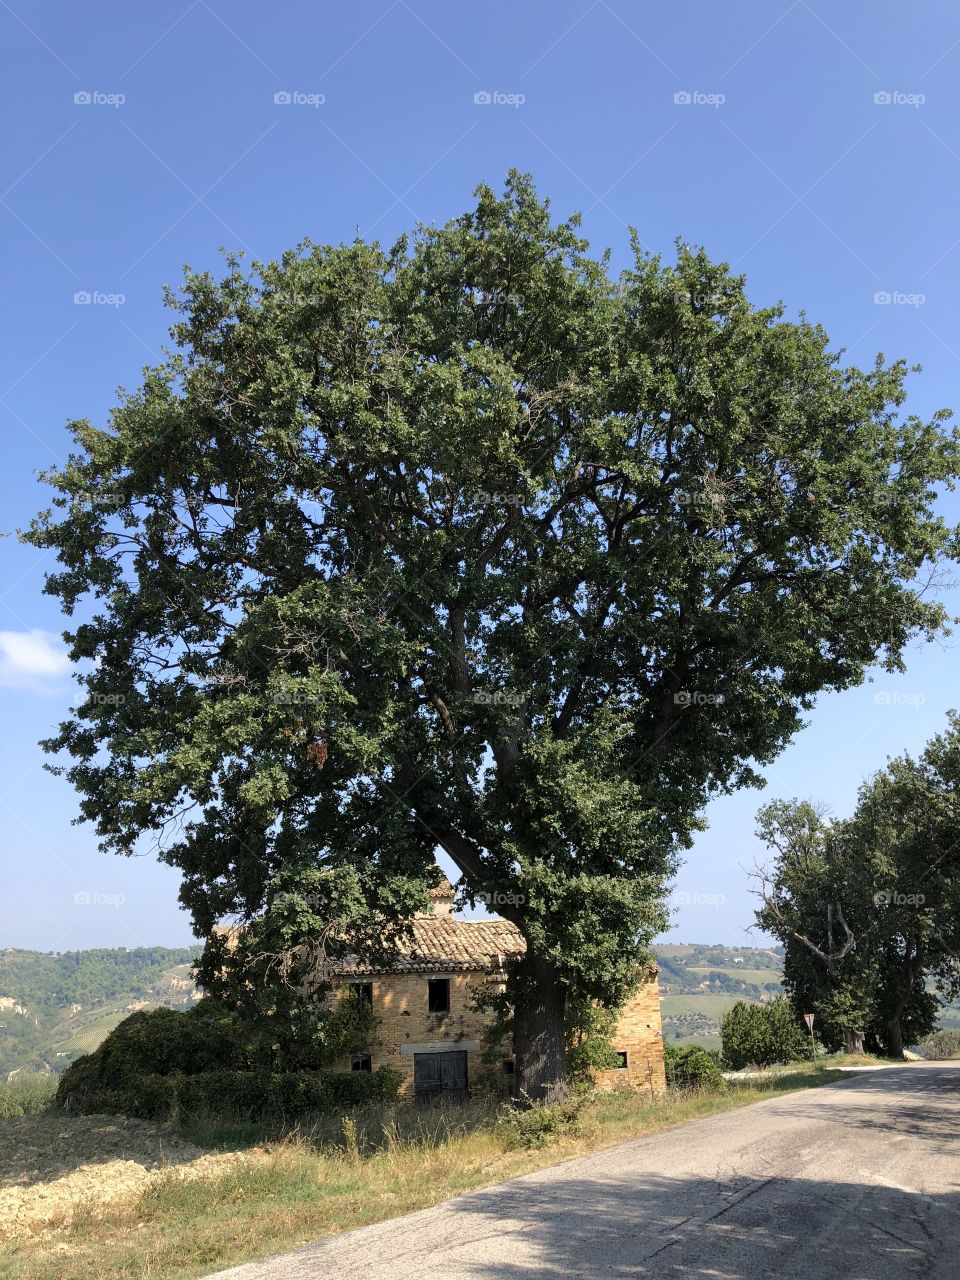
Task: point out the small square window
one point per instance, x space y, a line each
364 991
509 1067
622 1062
438 995
361 1062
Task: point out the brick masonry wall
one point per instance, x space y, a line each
640 1034
400 1003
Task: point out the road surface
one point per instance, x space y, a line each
859 1180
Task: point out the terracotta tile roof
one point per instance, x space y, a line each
443 943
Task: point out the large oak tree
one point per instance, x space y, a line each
464 544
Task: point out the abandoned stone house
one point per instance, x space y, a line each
429 1029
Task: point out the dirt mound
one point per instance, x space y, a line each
52 1165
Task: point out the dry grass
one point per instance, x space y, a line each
319 1181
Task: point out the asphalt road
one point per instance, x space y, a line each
858 1180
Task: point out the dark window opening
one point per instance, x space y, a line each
361 1062
364 991
622 1063
509 1066
438 995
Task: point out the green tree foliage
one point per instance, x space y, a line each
465 544
761 1035
889 878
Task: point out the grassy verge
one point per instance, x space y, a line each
309 1185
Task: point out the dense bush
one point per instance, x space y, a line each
162 1063
760 1035
211 1037
691 1067
241 1095
940 1045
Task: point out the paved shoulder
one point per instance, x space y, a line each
859 1180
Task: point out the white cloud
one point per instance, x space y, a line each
31 660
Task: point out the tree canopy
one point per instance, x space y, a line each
465 544
868 908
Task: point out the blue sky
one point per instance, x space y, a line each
816 147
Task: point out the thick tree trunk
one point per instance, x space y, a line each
894 1038
538 1029
852 1041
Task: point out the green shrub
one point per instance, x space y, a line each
760 1035
237 1095
535 1124
940 1045
27 1095
692 1067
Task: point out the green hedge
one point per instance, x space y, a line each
242 1095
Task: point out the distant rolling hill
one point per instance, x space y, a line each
700 982
55 1006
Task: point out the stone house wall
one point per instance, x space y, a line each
406 1027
